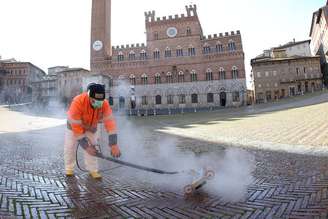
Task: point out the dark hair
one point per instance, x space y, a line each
89 85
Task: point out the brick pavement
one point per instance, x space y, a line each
286 185
304 127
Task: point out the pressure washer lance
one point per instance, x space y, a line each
136 166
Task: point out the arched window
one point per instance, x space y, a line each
219 47
222 74
144 79
120 56
193 75
180 77
110 81
188 31
170 99
194 98
158 99
156 35
156 54
158 78
206 48
182 98
167 52
144 100
169 77
210 97
209 75
143 55
234 72
191 50
179 51
231 45
132 55
235 96
132 80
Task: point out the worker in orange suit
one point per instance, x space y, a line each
84 114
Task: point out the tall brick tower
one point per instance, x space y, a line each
100 47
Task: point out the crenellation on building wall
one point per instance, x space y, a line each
151 20
172 19
150 16
221 35
128 48
191 10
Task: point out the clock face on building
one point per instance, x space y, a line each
171 31
97 45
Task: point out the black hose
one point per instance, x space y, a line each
136 166
77 160
84 170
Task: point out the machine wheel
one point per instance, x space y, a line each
188 189
209 174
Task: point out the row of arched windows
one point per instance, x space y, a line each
181 99
181 77
207 49
179 52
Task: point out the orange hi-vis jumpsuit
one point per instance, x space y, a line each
82 121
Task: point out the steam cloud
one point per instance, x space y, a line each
233 168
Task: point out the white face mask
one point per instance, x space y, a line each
97 104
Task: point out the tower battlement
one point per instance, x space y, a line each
191 9
150 16
191 12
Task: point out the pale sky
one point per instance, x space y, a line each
57 32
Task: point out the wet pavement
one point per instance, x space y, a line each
287 182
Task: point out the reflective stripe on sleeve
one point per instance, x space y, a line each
110 117
74 121
80 137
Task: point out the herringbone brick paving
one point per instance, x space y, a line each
31 195
32 185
